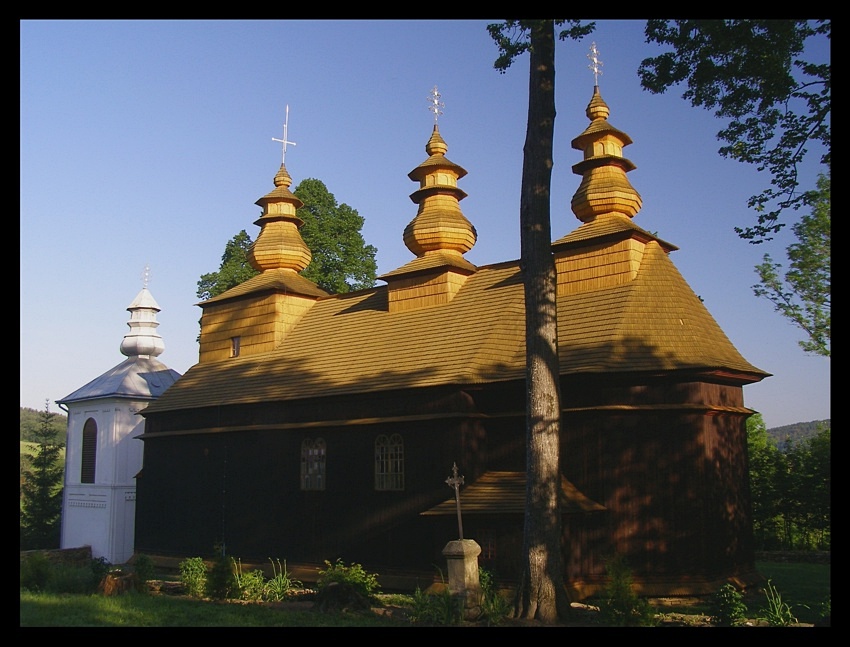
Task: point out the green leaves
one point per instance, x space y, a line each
749 71
803 295
342 261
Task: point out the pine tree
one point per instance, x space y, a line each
41 489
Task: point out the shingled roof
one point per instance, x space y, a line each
349 344
641 317
504 493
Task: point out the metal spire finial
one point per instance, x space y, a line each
284 141
146 275
434 103
595 63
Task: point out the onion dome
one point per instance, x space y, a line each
439 225
279 244
604 188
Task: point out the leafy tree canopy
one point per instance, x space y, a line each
513 37
342 261
804 296
234 268
752 73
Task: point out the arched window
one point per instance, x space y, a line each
89 453
389 462
313 454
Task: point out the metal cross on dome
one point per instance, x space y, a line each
595 64
455 481
434 103
284 141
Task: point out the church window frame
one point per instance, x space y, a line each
389 463
313 464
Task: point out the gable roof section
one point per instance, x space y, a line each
274 280
652 323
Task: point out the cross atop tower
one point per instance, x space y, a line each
595 63
284 141
434 103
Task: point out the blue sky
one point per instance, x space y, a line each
148 143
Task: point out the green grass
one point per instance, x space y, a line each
803 586
140 610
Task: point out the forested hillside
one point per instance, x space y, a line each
30 422
797 432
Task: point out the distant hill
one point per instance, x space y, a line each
30 421
797 432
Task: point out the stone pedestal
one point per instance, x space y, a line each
462 558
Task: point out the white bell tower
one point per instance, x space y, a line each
102 453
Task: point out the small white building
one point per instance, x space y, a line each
102 453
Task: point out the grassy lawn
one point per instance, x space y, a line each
140 610
805 587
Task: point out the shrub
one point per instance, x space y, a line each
70 578
221 580
249 586
36 571
727 607
353 576
143 568
193 575
621 606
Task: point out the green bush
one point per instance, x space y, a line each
36 571
143 568
68 578
193 575
621 606
352 576
249 586
727 607
221 580
39 574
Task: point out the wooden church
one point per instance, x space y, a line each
319 426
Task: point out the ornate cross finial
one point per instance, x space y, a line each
455 481
284 141
434 103
146 275
595 63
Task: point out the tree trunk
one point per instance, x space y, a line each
541 594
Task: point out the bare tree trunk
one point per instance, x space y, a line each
541 594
